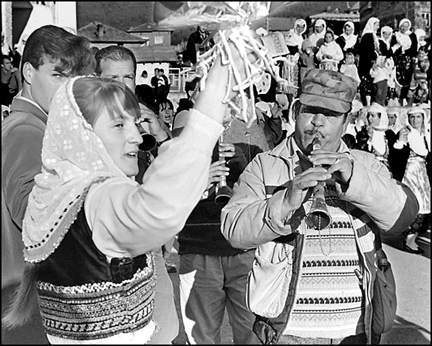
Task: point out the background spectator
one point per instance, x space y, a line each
317 36
404 46
330 51
144 78
369 52
348 40
349 68
195 44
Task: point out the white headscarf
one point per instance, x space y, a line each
420 33
294 38
370 29
314 37
404 39
416 138
397 125
73 158
370 26
378 141
386 29
350 40
377 108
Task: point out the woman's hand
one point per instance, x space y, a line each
403 134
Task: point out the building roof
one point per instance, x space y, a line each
98 32
149 27
149 54
274 23
354 17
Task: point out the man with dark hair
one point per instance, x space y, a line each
198 41
154 80
315 210
10 83
164 86
51 56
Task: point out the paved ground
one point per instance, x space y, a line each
412 274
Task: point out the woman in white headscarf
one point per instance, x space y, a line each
368 54
376 126
387 54
290 67
317 37
294 37
413 146
348 40
385 41
404 45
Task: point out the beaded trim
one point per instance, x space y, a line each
98 310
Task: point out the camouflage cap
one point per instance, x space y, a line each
328 89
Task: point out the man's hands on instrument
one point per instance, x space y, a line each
325 165
299 187
339 165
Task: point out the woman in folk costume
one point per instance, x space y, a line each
404 45
90 228
317 37
376 126
394 115
415 139
369 53
387 54
348 40
290 67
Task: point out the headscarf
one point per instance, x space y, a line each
350 40
397 125
383 30
404 39
377 108
315 36
293 38
416 138
420 33
378 136
369 29
73 158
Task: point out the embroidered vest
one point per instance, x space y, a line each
84 297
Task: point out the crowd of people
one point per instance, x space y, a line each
111 174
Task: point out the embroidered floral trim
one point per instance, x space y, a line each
99 310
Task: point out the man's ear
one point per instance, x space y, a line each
27 72
348 119
294 109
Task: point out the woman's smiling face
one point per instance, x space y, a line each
121 138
